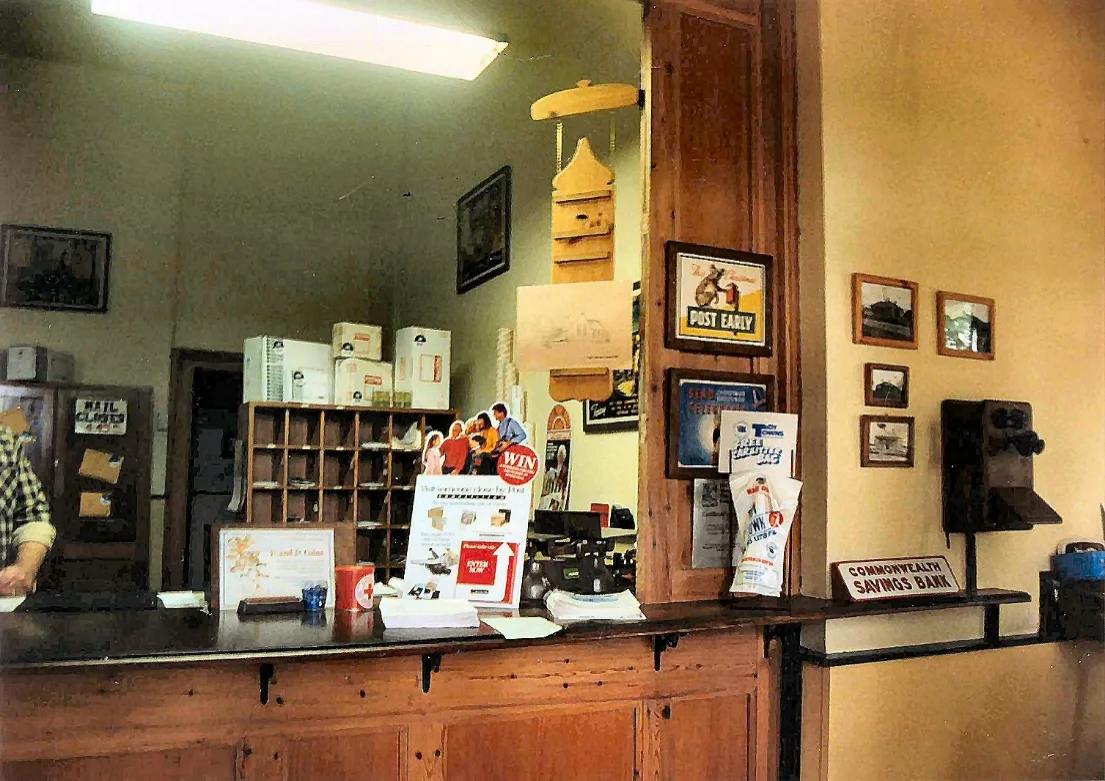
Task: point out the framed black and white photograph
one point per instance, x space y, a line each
620 412
884 311
886 385
483 231
719 300
965 327
886 441
54 268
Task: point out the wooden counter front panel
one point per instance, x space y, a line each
571 712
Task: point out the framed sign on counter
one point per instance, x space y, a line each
276 560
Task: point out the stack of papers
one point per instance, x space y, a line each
565 606
428 613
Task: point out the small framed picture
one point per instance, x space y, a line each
696 400
54 268
719 300
885 385
483 231
886 441
884 311
965 326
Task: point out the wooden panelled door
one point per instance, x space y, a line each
721 171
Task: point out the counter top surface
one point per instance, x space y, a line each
59 640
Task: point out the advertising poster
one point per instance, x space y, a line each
620 412
699 404
468 534
757 441
721 298
557 479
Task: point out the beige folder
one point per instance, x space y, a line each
15 420
95 504
101 466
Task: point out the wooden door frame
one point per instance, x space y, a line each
182 376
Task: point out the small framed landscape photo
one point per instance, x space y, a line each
884 311
885 385
886 441
965 325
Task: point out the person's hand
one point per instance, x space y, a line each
16 581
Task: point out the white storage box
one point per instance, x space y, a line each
269 368
362 383
354 340
39 364
422 368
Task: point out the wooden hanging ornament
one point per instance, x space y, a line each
582 218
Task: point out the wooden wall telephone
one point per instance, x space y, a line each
582 217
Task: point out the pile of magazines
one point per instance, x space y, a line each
565 606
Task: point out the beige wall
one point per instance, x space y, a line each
960 146
547 57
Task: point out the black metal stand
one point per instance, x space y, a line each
266 673
790 701
972 563
661 643
431 663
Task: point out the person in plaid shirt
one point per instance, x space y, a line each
26 533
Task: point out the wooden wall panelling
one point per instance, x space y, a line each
570 744
378 755
209 763
719 145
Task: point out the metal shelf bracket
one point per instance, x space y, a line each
431 663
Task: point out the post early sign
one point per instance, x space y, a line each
100 416
910 577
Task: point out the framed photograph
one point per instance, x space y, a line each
483 231
719 300
965 326
620 412
54 268
696 400
884 311
885 385
886 441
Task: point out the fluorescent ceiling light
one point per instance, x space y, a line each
320 29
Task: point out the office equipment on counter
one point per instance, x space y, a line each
576 548
357 340
988 448
88 601
428 613
564 606
39 364
422 368
280 370
268 606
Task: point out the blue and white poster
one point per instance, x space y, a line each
700 403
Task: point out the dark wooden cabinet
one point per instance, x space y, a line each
108 549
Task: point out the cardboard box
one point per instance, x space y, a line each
270 365
422 368
39 364
362 383
354 340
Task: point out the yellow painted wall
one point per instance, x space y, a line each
962 146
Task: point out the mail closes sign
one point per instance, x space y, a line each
101 416
922 576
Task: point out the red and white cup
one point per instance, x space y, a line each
353 587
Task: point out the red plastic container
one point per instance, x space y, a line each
353 587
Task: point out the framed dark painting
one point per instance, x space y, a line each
54 268
885 385
620 412
884 311
483 231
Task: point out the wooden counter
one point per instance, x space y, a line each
182 695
